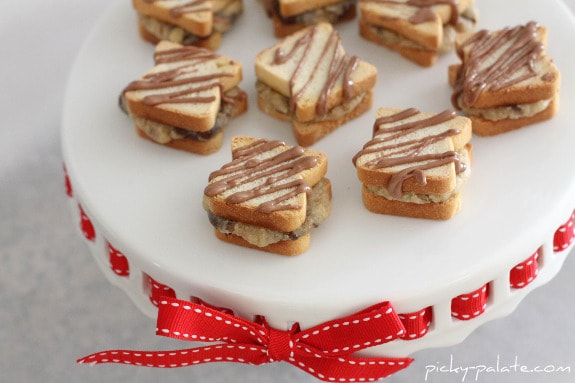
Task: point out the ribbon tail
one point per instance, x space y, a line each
238 353
350 369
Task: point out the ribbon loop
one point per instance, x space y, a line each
375 325
324 351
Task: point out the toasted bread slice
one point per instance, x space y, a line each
184 88
415 152
505 80
266 184
504 67
288 247
193 16
412 52
432 210
312 69
308 133
308 78
205 147
486 127
200 23
154 31
288 8
344 11
206 142
290 16
419 31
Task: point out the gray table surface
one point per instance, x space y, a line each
56 306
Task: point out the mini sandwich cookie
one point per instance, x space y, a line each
505 80
290 16
415 164
419 30
269 196
187 22
186 99
308 79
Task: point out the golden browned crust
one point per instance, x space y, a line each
452 74
422 57
211 42
436 211
166 115
441 183
544 86
514 95
214 143
483 127
289 8
307 134
283 220
198 23
283 29
429 41
433 185
190 145
199 117
288 248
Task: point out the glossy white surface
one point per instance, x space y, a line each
58 305
147 198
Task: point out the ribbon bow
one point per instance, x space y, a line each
324 351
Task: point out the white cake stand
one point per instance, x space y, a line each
144 200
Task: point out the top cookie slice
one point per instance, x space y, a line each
421 21
504 67
195 16
414 152
266 183
185 87
312 69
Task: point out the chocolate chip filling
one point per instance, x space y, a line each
318 209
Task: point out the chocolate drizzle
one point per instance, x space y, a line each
257 172
393 148
182 78
513 52
341 69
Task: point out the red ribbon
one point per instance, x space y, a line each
324 351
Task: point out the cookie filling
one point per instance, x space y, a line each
164 133
277 103
318 209
332 13
509 112
222 21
